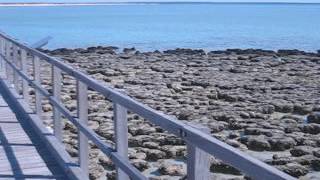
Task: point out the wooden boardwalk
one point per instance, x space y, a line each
22 155
29 151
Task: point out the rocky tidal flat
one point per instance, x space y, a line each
264 103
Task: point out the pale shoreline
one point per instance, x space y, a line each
137 3
67 4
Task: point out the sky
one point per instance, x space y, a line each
67 1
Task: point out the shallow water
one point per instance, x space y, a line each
163 26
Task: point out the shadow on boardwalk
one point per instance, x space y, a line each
22 153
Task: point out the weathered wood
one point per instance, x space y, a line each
2 62
121 136
8 56
83 144
3 53
15 60
24 69
57 122
37 79
124 164
198 161
21 158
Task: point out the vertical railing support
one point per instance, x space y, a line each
24 68
198 161
37 79
2 50
83 144
8 56
15 61
56 81
121 135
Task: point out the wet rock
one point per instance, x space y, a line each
301 150
316 152
129 50
311 128
233 143
314 118
138 155
174 151
282 143
139 140
284 107
315 164
184 115
179 51
305 160
106 162
47 108
245 115
257 131
280 160
154 154
258 143
171 168
219 167
240 95
96 171
203 84
227 97
294 169
216 127
302 109
267 109
140 164
151 145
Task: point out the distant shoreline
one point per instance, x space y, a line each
62 4
141 3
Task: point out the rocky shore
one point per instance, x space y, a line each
264 103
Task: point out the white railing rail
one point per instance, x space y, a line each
200 144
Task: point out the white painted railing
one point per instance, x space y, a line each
200 144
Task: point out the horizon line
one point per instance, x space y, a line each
156 2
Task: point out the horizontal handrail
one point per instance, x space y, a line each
228 154
103 146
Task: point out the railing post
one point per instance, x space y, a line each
8 56
2 46
37 79
24 68
15 61
1 60
121 135
83 144
56 81
198 161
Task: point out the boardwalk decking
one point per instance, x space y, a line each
22 155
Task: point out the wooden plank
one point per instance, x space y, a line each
24 69
2 51
19 156
37 79
15 60
124 164
8 56
57 122
198 161
121 136
83 144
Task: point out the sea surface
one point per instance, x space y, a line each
209 26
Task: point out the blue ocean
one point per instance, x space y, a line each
209 26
